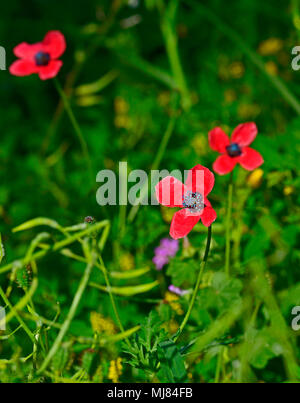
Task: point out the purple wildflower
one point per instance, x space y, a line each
160 261
177 290
170 245
166 249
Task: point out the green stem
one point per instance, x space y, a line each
20 320
112 300
199 278
76 127
65 327
161 151
219 365
168 28
228 226
55 247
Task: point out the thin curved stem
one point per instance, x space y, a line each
73 309
168 27
219 365
199 278
228 226
22 323
112 300
76 127
160 153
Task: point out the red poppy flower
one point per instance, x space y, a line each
191 196
40 58
236 150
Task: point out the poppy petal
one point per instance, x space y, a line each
22 68
50 71
250 159
200 179
207 202
224 164
218 140
244 134
55 44
26 51
170 192
182 223
208 216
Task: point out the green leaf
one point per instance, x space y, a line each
182 272
129 274
127 291
37 222
262 346
172 363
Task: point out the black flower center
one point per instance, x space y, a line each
42 59
193 201
233 150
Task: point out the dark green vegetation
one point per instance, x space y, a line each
133 74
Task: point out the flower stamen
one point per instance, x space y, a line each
233 150
42 59
193 201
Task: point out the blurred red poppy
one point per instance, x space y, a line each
236 150
40 58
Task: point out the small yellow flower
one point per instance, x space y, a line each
126 262
270 46
164 98
271 68
115 370
199 144
288 190
236 70
246 111
122 121
254 180
121 106
100 324
229 96
167 214
173 326
172 299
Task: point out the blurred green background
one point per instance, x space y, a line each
130 67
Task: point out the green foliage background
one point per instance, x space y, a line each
196 64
